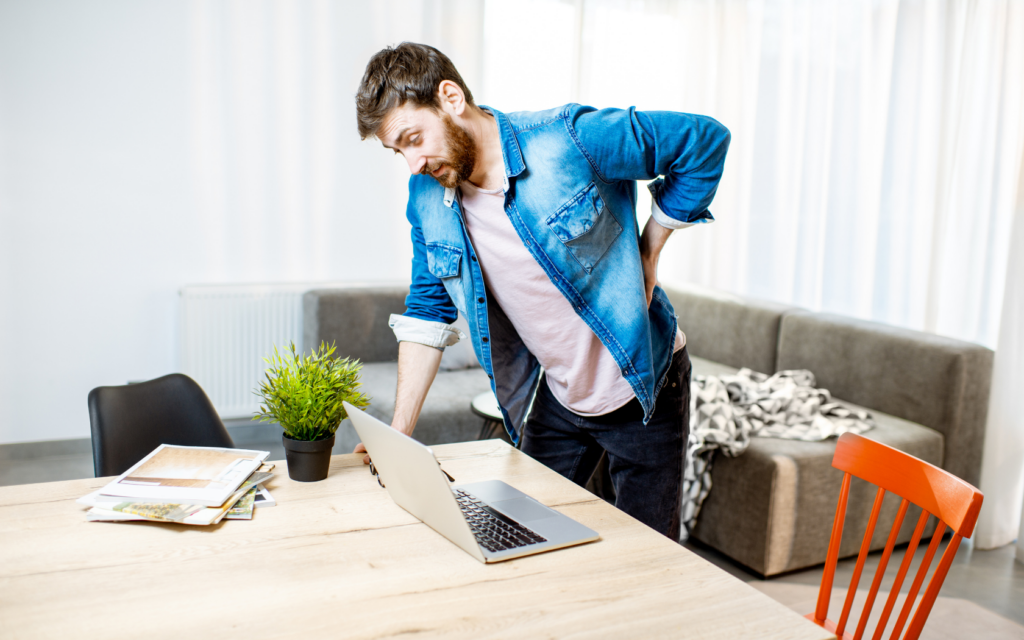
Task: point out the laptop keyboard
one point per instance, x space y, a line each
494 530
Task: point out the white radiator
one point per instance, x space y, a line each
227 330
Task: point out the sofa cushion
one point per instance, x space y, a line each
772 507
355 319
740 332
445 417
927 379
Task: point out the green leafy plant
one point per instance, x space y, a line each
304 393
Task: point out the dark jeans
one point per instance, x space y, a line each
645 462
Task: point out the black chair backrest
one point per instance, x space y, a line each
129 422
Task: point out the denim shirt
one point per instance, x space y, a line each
570 193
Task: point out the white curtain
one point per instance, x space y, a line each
1002 470
875 160
286 188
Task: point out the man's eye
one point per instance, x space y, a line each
414 140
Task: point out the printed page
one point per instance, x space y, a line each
189 475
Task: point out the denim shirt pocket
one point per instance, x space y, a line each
445 262
585 226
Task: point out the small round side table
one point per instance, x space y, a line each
485 405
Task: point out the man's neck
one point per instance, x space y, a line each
489 172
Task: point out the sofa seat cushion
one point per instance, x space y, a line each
772 507
445 417
925 378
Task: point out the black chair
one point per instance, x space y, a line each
129 422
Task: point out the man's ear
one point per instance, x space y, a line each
453 100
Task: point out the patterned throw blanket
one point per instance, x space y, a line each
726 411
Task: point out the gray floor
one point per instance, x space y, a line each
992 580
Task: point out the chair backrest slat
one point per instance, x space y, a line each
954 502
865 547
921 483
894 590
918 580
821 610
932 592
869 603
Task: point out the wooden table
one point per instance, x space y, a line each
339 559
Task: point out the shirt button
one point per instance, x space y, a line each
483 339
473 258
480 300
490 376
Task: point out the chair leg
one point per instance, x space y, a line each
493 429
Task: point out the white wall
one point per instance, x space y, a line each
144 146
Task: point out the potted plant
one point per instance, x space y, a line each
304 394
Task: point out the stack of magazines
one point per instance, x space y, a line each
188 485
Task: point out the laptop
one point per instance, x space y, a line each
489 520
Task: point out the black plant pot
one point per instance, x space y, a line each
308 461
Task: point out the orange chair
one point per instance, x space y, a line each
954 502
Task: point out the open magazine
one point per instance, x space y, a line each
200 476
238 506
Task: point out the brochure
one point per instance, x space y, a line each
103 510
263 498
242 510
205 476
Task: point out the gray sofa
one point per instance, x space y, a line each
770 509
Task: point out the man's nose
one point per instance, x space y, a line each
416 162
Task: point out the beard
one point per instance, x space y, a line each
460 155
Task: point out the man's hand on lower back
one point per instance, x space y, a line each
652 240
650 277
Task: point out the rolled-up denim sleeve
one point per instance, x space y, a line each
433 334
429 309
682 153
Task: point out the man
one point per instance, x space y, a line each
525 223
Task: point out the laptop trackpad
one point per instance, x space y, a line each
524 509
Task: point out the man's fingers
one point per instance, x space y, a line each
361 448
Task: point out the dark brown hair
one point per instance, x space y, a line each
410 72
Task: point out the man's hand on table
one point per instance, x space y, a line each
417 366
361 448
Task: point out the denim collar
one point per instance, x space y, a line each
510 152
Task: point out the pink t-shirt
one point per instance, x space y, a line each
579 369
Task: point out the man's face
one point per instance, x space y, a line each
431 142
